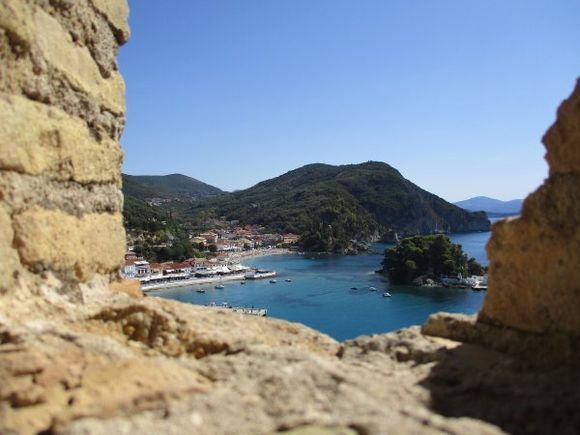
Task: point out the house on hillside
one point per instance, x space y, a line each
210 237
290 238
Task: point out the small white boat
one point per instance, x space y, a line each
386 295
273 281
220 286
479 286
373 289
260 273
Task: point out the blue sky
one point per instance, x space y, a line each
456 94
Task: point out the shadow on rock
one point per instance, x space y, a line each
471 381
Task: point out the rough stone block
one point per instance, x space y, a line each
534 277
20 191
131 287
33 27
117 14
73 246
14 18
36 139
562 140
9 262
77 64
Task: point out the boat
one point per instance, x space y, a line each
479 286
288 280
243 283
478 282
353 288
260 273
373 289
200 290
220 286
272 281
386 295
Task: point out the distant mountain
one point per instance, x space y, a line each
174 186
491 205
330 205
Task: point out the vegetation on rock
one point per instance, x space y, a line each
173 186
330 206
333 208
140 215
430 256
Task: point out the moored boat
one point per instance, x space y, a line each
386 295
260 273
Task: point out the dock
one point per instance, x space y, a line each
260 274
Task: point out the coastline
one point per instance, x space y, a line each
238 257
193 281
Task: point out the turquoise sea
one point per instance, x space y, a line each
322 295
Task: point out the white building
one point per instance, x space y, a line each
142 268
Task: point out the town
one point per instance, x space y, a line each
211 256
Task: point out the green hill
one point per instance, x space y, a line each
331 205
174 186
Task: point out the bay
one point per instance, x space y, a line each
332 294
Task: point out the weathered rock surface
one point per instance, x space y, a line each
82 353
36 139
534 278
159 366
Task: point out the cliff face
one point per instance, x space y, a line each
83 353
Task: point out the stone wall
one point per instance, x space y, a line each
62 105
534 278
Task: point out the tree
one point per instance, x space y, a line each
474 268
425 255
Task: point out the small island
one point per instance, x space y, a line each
428 260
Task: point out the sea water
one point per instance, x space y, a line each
333 293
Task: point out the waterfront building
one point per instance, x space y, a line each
142 268
129 270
